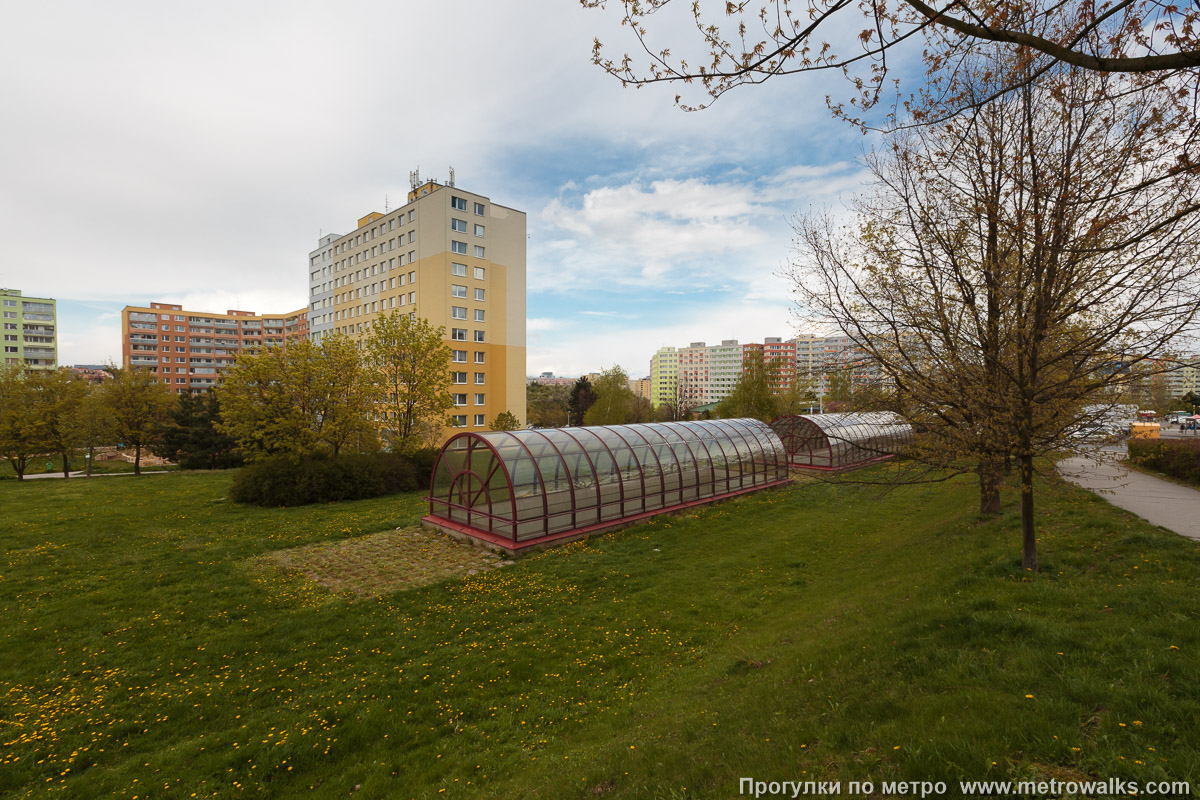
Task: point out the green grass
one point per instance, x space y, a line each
817 633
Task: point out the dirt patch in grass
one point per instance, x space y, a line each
381 563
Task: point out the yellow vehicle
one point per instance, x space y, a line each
1144 430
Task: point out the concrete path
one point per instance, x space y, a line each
83 474
1174 507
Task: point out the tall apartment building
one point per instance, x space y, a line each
707 373
29 330
456 259
779 354
190 350
664 375
641 387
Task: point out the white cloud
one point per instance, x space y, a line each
674 232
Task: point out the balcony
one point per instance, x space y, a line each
143 338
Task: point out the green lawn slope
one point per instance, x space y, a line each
816 633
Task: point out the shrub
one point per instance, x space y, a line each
1179 458
423 461
290 481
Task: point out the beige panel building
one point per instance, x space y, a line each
453 257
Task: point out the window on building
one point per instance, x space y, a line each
458 202
458 334
479 315
459 377
458 269
479 251
412 277
479 378
458 356
412 297
479 398
480 421
479 336
458 312
459 225
479 209
458 421
458 247
457 290
479 230
479 295
460 399
478 356
479 272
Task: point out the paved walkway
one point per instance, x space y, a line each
83 474
1160 502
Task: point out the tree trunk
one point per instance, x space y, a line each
137 459
990 478
1029 540
91 457
66 464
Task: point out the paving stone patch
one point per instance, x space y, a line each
381 563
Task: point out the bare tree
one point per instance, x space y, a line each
1016 264
743 43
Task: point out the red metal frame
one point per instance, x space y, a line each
866 438
456 504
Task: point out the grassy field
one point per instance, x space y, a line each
816 633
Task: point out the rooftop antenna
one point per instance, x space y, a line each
451 181
386 207
414 178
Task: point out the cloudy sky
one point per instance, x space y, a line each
194 152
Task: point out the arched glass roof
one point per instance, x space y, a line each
517 487
841 441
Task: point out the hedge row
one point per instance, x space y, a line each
290 481
1179 458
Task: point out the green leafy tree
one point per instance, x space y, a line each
193 439
411 365
798 397
547 405
56 396
640 410
139 406
582 398
306 399
505 421
613 399
93 423
754 393
840 392
20 428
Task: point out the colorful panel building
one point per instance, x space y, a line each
190 350
29 330
456 259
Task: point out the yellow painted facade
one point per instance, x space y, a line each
454 258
